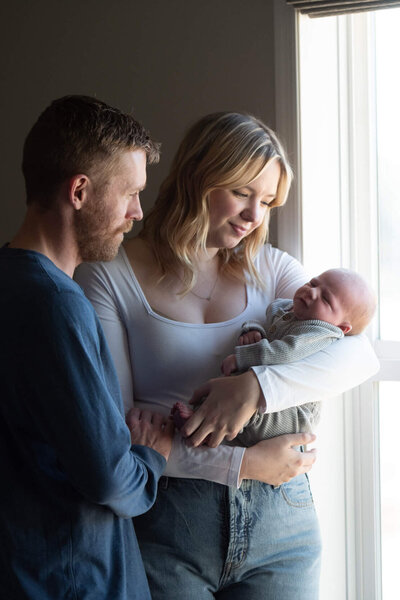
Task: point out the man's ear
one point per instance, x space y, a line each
77 190
345 327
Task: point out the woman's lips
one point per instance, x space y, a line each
238 230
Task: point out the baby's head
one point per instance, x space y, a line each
338 296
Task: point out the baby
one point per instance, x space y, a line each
336 303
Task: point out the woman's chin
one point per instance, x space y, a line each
233 241
224 245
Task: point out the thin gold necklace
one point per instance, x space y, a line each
208 298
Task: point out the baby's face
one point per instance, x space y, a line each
327 297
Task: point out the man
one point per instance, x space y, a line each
72 474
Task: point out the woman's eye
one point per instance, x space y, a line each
265 203
240 194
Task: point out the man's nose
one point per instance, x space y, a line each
135 211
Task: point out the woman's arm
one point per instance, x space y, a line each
339 367
221 465
231 401
226 465
326 374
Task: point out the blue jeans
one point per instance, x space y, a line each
202 540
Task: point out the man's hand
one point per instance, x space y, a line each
229 402
251 337
275 461
151 429
229 365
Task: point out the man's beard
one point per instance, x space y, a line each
95 240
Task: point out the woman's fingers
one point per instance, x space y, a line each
200 394
301 439
228 403
207 435
197 430
277 460
308 459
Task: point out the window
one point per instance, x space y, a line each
341 122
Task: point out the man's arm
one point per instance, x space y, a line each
75 406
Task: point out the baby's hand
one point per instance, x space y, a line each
229 365
250 337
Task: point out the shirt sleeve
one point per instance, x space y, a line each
326 374
302 341
75 410
221 464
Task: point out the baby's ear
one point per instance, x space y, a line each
345 327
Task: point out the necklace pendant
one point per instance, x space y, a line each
206 298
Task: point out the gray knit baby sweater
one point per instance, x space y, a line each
286 339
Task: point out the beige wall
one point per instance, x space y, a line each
170 61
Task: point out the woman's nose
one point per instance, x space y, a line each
251 212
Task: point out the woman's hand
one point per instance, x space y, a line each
275 461
229 403
151 429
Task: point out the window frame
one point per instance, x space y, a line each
359 410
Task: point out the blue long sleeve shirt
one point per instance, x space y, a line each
70 479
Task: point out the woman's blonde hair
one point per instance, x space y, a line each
222 150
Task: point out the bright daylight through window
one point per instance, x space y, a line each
349 96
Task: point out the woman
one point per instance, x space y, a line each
171 305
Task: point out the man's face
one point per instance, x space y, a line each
111 208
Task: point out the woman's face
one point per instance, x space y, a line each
235 213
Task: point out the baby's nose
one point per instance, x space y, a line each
313 293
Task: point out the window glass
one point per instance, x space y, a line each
389 417
387 23
349 91
320 168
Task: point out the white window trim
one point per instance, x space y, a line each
360 414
